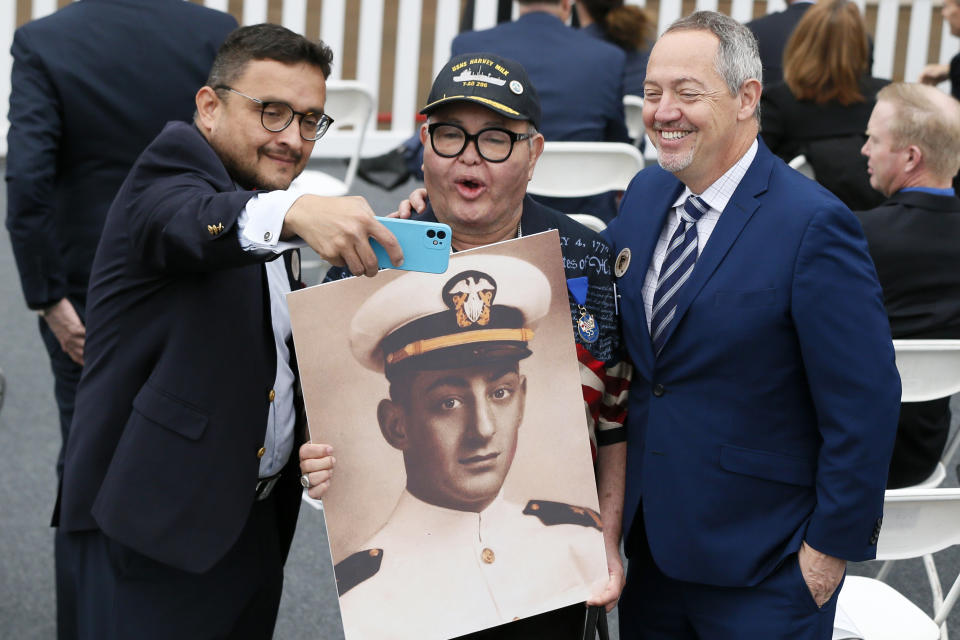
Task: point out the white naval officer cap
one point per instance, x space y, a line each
484 308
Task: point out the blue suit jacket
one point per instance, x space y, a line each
92 85
579 78
180 360
769 416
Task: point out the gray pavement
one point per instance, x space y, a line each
29 442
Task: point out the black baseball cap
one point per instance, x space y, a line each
498 83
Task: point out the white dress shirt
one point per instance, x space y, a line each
259 228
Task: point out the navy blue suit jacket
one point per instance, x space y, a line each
92 85
579 78
180 360
769 416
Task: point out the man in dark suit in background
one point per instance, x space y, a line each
764 399
92 84
579 79
180 487
772 32
913 151
563 62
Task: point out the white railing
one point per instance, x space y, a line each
404 99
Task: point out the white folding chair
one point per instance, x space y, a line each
916 523
589 221
633 111
577 169
351 106
930 369
801 164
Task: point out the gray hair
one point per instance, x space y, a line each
738 58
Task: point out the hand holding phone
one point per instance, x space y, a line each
425 245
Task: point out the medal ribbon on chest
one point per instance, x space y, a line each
586 323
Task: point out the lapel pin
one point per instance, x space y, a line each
622 263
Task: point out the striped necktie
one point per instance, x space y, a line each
675 270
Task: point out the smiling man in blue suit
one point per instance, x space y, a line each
765 395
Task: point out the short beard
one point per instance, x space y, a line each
676 162
248 178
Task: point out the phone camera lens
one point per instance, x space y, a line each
430 233
441 234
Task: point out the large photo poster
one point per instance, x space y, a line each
464 494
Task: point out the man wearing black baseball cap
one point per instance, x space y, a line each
481 144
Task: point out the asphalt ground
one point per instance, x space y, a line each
30 439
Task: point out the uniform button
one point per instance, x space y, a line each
658 390
374 553
261 451
267 236
488 556
271 395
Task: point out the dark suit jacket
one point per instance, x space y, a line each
579 79
830 136
92 85
772 32
180 358
769 416
913 241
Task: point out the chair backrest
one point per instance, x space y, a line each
801 164
929 369
633 111
589 221
917 522
350 104
576 169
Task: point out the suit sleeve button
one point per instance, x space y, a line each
658 390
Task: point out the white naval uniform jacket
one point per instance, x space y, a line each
445 573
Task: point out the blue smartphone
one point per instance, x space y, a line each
425 245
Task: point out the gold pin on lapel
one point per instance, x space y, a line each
214 229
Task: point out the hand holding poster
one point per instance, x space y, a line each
464 494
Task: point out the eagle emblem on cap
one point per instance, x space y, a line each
471 294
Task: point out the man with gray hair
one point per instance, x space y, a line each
765 393
913 151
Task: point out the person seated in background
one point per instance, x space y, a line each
822 107
627 26
913 152
579 79
481 145
937 73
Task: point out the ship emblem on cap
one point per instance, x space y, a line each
471 294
